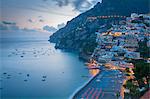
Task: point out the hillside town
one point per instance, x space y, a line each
75 49
123 47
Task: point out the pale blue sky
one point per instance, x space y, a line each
34 14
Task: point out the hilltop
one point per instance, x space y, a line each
79 33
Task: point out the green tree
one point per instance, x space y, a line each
134 92
144 49
142 70
118 94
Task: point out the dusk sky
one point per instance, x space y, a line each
35 14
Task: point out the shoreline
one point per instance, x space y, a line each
83 86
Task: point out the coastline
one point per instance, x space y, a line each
83 86
105 85
116 48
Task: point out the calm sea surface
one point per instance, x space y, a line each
31 68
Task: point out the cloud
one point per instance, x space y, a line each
41 20
6 25
78 5
59 26
39 16
61 3
49 29
30 20
29 30
82 5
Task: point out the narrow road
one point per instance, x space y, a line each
104 86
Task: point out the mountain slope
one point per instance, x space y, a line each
79 33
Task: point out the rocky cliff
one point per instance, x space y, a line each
79 33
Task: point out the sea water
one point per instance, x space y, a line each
31 68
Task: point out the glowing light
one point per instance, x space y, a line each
94 72
117 34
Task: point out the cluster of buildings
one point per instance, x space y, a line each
92 18
121 41
120 44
